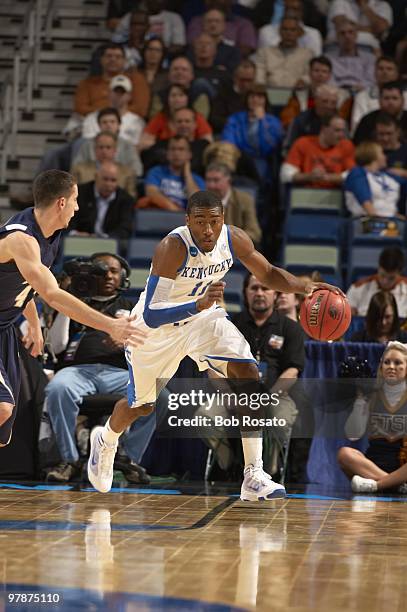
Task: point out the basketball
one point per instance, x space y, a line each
325 315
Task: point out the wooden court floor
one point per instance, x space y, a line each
166 550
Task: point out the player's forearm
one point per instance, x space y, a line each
30 313
369 208
75 309
281 280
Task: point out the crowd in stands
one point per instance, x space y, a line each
181 97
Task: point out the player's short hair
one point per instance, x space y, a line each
204 199
391 259
50 186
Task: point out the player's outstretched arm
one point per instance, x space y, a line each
271 276
26 254
33 339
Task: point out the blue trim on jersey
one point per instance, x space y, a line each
160 316
236 359
131 386
232 252
186 250
213 367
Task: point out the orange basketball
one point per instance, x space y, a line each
325 315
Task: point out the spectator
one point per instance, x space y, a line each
372 17
310 38
368 189
205 66
239 207
151 66
131 125
308 123
238 29
387 278
231 99
303 97
92 93
320 161
166 24
391 101
285 64
162 125
109 120
367 100
181 72
277 342
388 137
105 151
104 208
255 131
288 305
382 321
214 25
170 186
91 364
351 67
185 124
382 417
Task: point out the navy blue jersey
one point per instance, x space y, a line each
15 292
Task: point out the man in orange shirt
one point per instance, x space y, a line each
319 161
92 93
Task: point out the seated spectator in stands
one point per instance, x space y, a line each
109 120
203 57
166 24
238 206
382 417
320 161
269 35
373 19
388 137
288 304
369 190
387 278
277 342
303 97
105 150
227 55
231 98
308 122
104 208
185 124
285 64
162 125
131 125
238 29
368 100
255 131
351 67
92 93
382 321
391 101
181 72
151 66
170 186
91 363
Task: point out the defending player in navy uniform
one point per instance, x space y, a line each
28 246
179 308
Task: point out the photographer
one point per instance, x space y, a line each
91 362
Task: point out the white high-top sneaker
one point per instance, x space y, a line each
363 485
259 486
101 460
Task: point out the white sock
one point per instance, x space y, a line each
252 448
109 436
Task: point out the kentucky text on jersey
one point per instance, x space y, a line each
198 273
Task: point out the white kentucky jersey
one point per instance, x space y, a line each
199 269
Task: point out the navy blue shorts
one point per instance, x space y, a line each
385 454
10 377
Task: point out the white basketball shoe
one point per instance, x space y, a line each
259 486
363 485
101 460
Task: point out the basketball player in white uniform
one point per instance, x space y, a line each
179 309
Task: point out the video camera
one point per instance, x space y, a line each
85 276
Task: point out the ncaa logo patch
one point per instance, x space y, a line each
193 251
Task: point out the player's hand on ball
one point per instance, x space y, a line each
126 330
214 293
311 287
